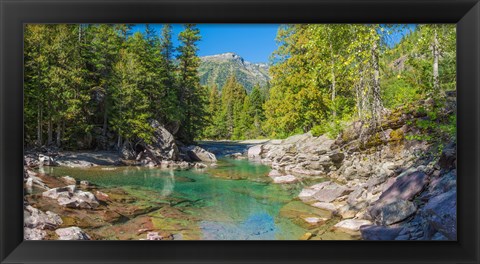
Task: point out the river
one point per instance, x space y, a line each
234 200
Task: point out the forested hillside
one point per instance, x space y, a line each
87 86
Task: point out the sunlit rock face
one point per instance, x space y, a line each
216 69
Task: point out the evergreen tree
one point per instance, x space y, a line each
191 95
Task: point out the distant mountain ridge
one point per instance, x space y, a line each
215 69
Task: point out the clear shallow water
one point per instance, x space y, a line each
236 199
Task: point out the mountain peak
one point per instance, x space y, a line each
215 69
223 57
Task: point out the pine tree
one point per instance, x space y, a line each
191 95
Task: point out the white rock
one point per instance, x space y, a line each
69 180
255 152
351 225
72 233
34 218
33 234
69 196
325 206
154 236
274 173
285 179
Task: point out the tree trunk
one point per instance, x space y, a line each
377 103
334 109
39 124
105 119
119 141
436 55
50 132
59 133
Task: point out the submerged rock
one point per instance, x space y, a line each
32 181
285 179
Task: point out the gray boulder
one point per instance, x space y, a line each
374 232
70 197
33 234
448 157
34 218
163 146
255 152
127 152
396 211
44 160
441 213
404 188
72 233
69 180
197 153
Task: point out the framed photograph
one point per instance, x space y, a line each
236 131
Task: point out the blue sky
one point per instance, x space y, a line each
254 42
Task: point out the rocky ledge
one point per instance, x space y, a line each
381 185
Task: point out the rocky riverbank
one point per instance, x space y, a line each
67 209
382 185
164 151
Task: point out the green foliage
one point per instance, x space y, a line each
84 83
436 127
397 92
87 83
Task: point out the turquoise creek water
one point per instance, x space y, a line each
236 199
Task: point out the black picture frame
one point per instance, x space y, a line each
13 15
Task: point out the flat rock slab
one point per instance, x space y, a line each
404 188
325 206
323 192
351 225
285 179
441 213
72 233
397 211
297 209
